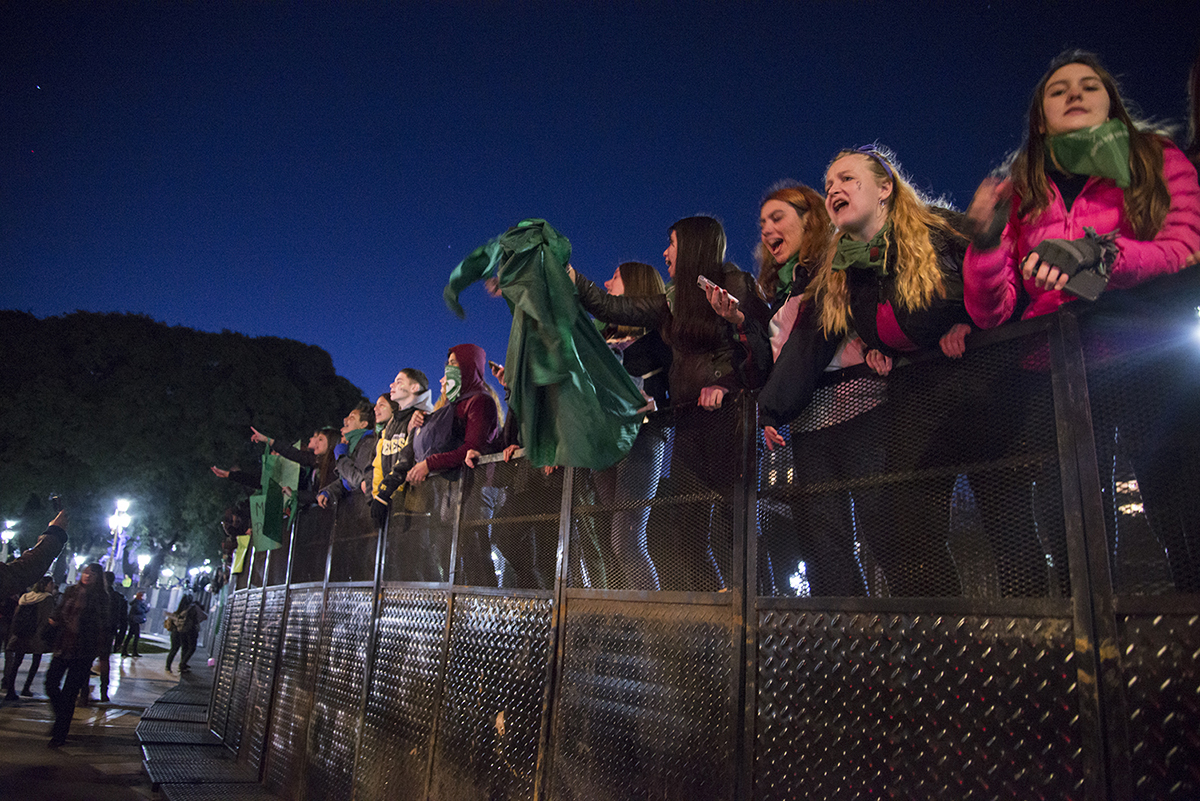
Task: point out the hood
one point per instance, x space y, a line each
32 597
423 402
472 362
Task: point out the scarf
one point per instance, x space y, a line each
353 438
787 273
864 255
1102 150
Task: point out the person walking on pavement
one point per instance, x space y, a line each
189 626
116 611
137 616
27 636
81 627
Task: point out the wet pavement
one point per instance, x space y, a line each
102 758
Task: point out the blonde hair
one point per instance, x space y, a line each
919 279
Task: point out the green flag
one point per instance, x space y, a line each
269 509
576 404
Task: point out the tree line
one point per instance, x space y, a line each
100 406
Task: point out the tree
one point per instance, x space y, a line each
101 406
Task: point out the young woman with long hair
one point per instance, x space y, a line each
892 278
1085 163
634 479
80 624
710 358
1095 200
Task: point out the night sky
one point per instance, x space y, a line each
316 170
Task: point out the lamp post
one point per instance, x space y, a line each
76 563
118 524
7 536
142 560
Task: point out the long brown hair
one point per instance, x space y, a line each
817 234
325 461
700 250
1147 199
640 280
919 279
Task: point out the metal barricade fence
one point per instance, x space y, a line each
973 578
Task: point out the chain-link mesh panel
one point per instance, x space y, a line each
329 763
277 564
1143 380
240 691
234 617
644 708
492 708
1161 655
293 691
874 705
419 532
262 680
612 512
352 557
508 534
394 760
683 469
314 526
942 480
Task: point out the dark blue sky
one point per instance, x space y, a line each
315 170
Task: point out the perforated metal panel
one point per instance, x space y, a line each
235 615
333 725
266 645
398 724
190 713
293 691
646 700
1161 655
508 534
873 705
492 706
943 480
240 691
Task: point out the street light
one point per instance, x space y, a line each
76 563
118 524
7 536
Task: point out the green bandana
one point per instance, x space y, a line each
1102 151
864 255
453 382
787 274
354 436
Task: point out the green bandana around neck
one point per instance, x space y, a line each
354 436
453 382
1102 150
787 274
870 255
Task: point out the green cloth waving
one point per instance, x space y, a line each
269 509
575 403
